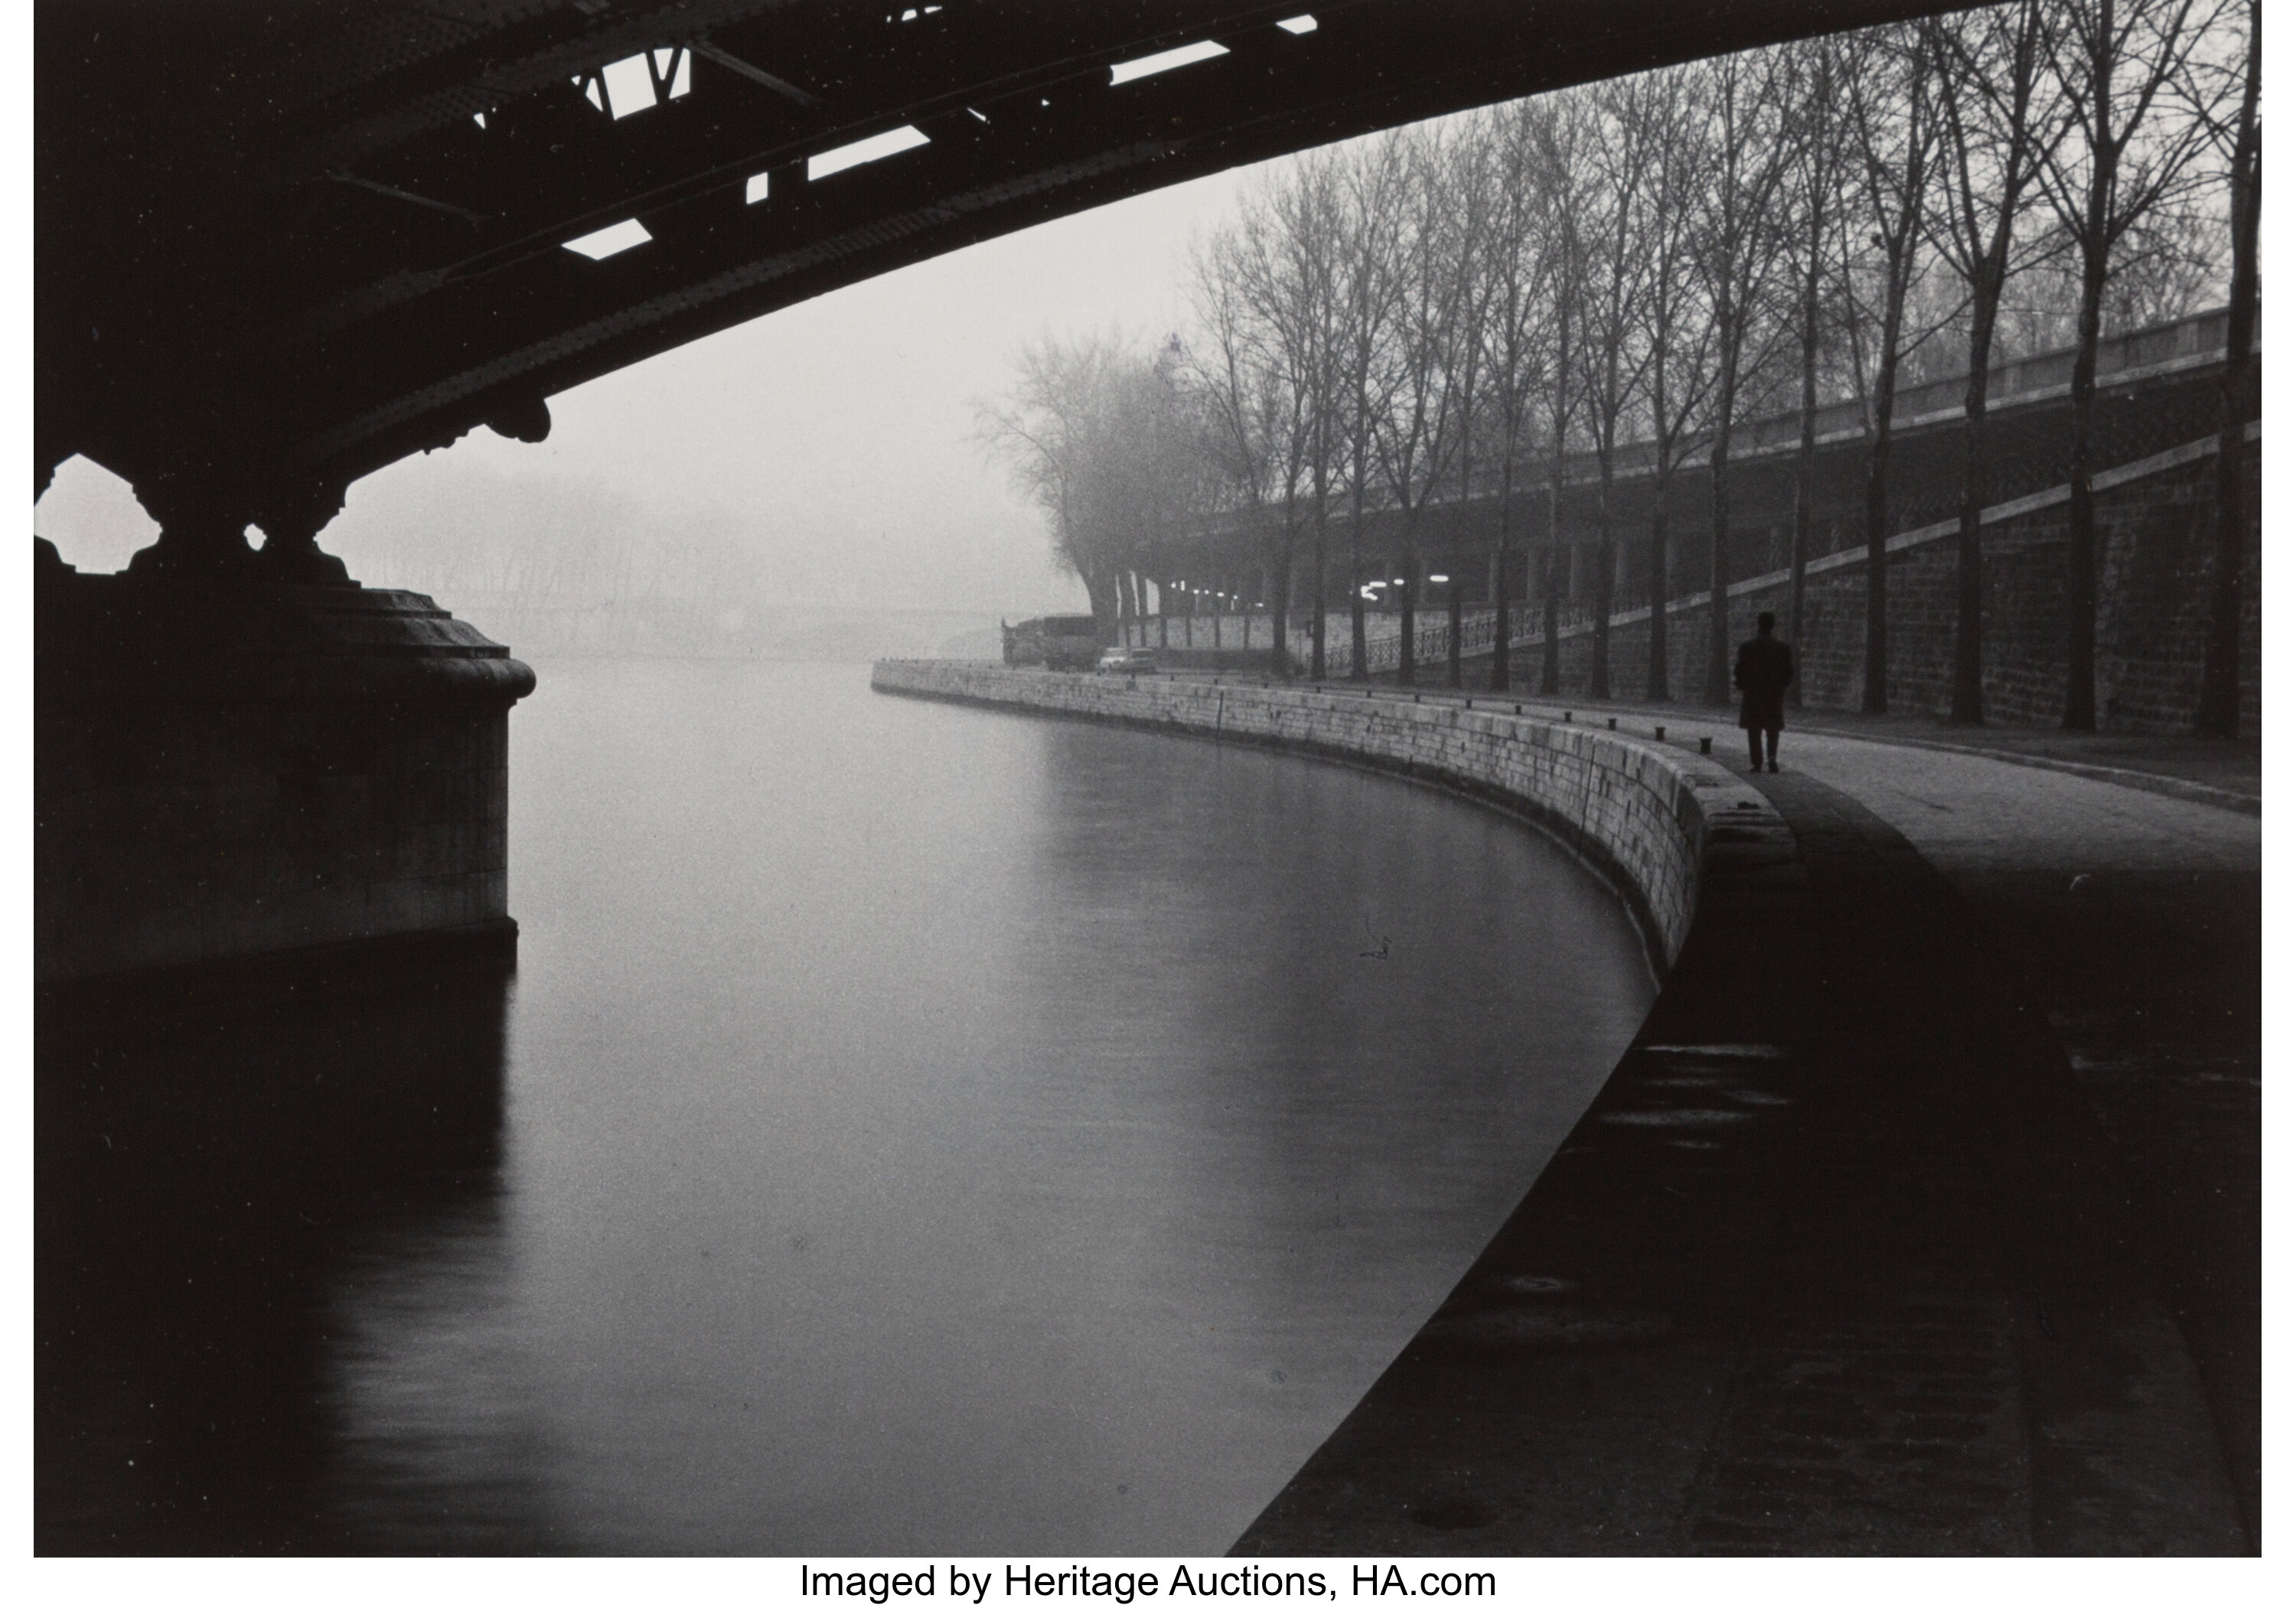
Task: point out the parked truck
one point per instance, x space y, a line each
1056 641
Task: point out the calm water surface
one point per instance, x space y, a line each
912 1129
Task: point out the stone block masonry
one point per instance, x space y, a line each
1648 817
2156 570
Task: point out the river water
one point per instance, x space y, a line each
912 1129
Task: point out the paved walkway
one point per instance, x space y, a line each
1975 1267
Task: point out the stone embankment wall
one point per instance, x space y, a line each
2156 571
1652 819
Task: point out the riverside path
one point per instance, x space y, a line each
1922 1217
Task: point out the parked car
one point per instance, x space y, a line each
1128 661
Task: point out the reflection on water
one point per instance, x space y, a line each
917 1129
197 1185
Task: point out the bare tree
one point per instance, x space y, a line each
2219 703
1514 331
1100 438
1559 133
1477 206
1418 431
1295 233
1679 338
1737 250
1996 126
1892 113
1370 182
1815 200
2113 60
1257 399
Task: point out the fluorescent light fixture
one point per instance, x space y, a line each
1439 579
759 188
876 148
629 86
608 241
1304 23
1164 61
478 117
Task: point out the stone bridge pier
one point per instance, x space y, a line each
248 767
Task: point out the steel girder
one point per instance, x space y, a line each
283 243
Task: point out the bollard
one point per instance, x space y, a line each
1566 715
1415 696
1658 732
1614 724
1706 745
1471 701
1518 708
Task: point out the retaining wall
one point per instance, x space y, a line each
2156 574
1653 820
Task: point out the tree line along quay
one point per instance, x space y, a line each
1544 360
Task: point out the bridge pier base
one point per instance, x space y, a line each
237 775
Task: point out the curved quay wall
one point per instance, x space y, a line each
1654 820
1558 1401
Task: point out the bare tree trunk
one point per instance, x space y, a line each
1357 668
1104 592
1276 592
1317 602
1502 624
1717 628
1550 667
1658 685
2218 714
1876 699
1805 472
1606 563
1407 671
1458 558
1969 593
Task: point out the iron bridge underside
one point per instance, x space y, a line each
280 244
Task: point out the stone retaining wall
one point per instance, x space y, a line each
1651 819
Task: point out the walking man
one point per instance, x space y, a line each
1765 668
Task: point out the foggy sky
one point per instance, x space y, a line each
833 437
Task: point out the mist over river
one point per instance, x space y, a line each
912 1129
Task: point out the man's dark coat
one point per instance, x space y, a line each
1765 667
